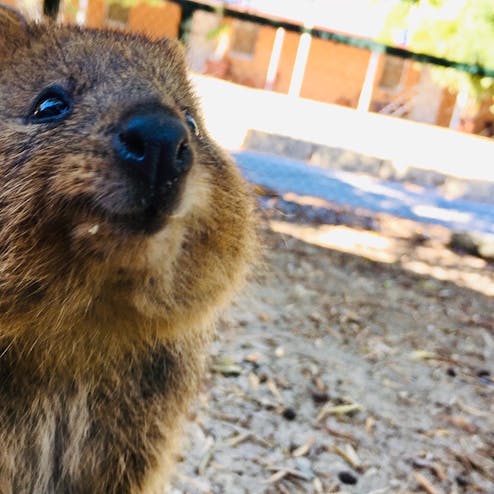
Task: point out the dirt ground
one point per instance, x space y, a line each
364 371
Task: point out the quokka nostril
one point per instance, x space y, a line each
134 145
182 151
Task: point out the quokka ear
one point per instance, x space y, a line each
13 30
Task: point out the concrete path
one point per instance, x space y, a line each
285 175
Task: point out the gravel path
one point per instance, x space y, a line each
336 373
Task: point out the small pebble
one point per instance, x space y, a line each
451 372
289 413
319 396
347 478
255 365
304 465
483 373
263 377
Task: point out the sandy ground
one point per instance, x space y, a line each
338 372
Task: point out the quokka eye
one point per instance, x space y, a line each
191 122
53 104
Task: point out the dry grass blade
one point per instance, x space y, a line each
291 472
349 455
433 467
203 465
191 483
473 411
439 472
338 410
282 488
276 477
483 464
425 484
239 438
461 423
304 449
254 381
274 389
370 424
341 434
227 369
423 355
317 486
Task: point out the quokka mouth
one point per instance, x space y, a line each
146 221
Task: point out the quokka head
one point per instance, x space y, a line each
115 202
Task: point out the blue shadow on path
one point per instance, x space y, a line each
285 175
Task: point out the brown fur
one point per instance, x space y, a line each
102 329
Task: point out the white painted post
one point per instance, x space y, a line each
80 17
300 64
274 61
460 104
222 44
365 98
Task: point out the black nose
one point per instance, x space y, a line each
153 148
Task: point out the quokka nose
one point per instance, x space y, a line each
153 147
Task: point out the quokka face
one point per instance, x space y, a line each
114 199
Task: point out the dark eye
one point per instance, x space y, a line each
53 104
192 124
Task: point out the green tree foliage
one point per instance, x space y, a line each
459 30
